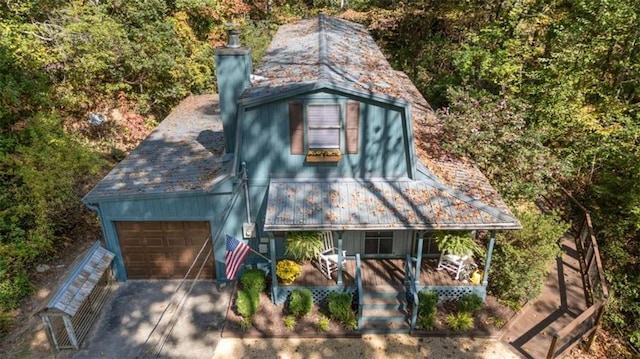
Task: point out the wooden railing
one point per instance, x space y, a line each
587 323
360 290
410 285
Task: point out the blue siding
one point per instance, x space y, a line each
264 143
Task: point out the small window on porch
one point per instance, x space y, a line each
378 243
429 245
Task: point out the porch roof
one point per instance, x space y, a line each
377 204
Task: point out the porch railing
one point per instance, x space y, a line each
360 290
587 323
412 292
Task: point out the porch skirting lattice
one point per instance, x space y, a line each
320 294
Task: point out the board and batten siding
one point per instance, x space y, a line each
265 144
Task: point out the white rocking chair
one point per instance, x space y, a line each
328 259
452 263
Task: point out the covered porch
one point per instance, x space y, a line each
377 272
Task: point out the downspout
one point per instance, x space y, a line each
119 266
245 181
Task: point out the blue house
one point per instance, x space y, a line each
323 136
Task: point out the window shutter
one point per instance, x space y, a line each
296 128
352 129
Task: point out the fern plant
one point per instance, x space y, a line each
304 246
457 244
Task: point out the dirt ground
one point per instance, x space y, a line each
27 338
269 321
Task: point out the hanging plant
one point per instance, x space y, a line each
457 244
304 246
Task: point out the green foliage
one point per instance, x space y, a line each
304 246
340 309
493 131
287 271
470 303
245 323
521 258
247 303
460 321
12 289
301 302
458 244
253 280
323 324
290 322
427 308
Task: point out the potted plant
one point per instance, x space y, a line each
287 271
324 155
457 244
303 246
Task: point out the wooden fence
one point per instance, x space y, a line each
587 323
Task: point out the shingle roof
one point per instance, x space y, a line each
81 281
184 153
323 49
330 50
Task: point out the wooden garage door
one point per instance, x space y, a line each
164 250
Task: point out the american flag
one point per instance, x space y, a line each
236 253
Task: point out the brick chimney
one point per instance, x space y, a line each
233 71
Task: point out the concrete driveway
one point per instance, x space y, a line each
124 330
132 311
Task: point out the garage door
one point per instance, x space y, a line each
164 250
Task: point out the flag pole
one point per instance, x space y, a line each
260 254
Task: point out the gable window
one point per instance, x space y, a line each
323 127
378 243
317 130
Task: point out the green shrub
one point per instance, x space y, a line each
427 307
290 322
340 309
304 246
426 322
301 302
323 324
247 303
428 302
253 279
470 303
13 288
460 321
521 259
245 323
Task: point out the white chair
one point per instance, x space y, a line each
452 263
328 258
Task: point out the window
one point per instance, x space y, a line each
429 246
323 127
378 243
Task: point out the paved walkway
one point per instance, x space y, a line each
561 301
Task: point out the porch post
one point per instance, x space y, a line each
340 259
487 263
419 256
274 277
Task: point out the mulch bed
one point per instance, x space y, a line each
269 322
